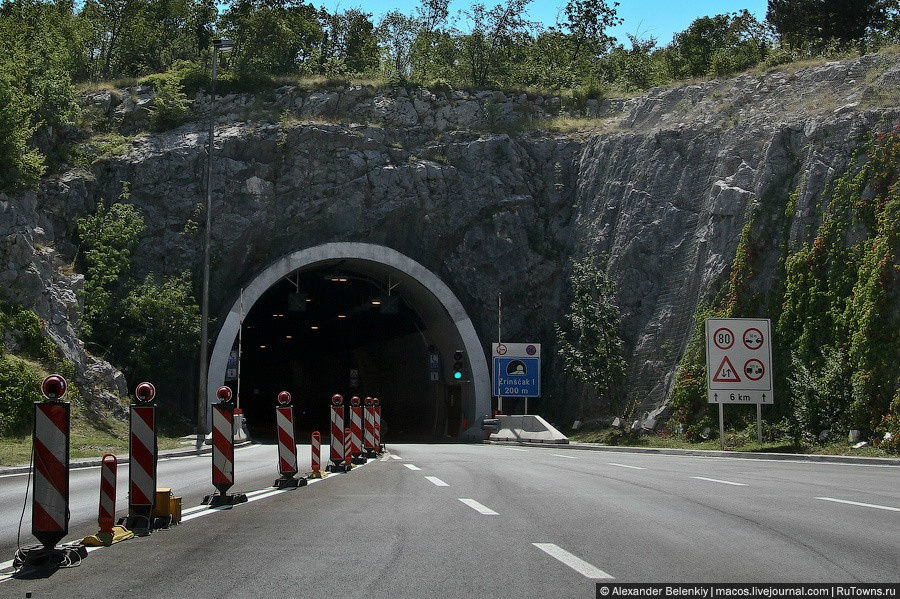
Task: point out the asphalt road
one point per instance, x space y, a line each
510 522
188 476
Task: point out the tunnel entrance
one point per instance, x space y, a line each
327 330
354 319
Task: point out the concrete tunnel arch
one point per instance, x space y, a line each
432 299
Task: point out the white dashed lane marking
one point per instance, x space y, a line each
873 505
481 509
626 466
412 467
722 482
437 482
562 455
573 561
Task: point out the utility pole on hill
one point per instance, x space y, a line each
224 45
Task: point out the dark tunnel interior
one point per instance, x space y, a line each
327 330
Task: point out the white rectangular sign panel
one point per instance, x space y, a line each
739 360
517 350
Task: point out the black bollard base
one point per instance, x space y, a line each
223 499
337 468
289 482
360 459
139 524
40 559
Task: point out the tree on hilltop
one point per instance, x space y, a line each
816 23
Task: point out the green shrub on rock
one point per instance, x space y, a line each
26 330
170 105
19 385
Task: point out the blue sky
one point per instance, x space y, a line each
657 18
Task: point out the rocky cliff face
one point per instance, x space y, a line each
470 185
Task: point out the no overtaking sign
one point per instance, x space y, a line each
739 360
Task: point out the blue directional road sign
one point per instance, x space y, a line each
517 376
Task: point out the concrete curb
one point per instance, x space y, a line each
123 459
800 457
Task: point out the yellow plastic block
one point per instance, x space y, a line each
105 539
175 508
162 509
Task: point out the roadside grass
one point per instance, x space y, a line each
563 124
91 436
734 441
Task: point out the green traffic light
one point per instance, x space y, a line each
457 375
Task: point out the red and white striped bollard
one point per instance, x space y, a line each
142 452
316 452
369 434
50 497
223 451
348 450
376 413
337 434
356 429
287 447
107 513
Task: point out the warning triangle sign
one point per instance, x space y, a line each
726 373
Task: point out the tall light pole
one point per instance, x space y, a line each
224 45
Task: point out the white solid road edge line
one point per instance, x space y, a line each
437 482
412 467
573 561
562 455
626 466
848 502
724 482
481 509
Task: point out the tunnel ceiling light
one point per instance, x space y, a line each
308 299
314 327
342 316
376 302
262 347
288 336
277 315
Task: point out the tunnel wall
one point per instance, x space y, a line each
424 291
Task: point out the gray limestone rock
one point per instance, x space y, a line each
664 188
